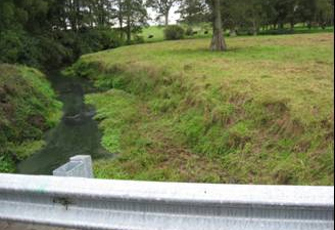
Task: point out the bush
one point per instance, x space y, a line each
52 50
17 47
93 40
189 31
138 39
53 53
174 32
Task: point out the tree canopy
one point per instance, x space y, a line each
251 15
163 8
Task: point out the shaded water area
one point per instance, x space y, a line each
76 134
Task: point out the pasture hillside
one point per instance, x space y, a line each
262 112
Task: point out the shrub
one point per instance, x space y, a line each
138 39
53 53
96 39
189 31
17 46
174 32
52 50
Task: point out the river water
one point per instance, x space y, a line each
76 134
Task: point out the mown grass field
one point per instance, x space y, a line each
262 112
28 107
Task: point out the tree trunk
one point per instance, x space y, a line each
218 43
91 17
292 26
255 27
120 17
121 27
167 12
167 18
128 29
72 16
77 8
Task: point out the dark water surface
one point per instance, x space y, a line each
77 133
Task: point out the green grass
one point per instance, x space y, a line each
158 33
262 112
298 29
28 107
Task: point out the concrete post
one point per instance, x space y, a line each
78 166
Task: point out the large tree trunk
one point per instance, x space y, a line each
77 8
91 17
218 43
254 27
120 17
167 18
121 26
292 26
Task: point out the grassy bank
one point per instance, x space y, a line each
260 113
27 108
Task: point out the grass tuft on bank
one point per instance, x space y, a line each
28 107
262 113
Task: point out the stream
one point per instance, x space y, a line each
76 134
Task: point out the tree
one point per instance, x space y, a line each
254 15
120 14
316 12
243 15
163 8
325 12
103 12
135 15
49 33
194 11
218 43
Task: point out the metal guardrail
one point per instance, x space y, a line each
126 205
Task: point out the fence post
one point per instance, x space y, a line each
78 166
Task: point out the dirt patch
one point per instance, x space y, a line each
277 108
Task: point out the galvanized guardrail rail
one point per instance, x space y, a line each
127 205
